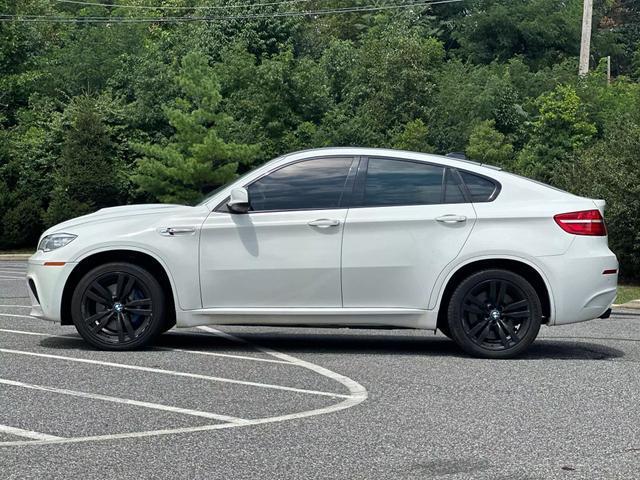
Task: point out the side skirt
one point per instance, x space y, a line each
329 317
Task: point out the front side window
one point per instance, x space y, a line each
310 184
397 182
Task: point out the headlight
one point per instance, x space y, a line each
57 240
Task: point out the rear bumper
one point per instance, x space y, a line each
581 289
45 285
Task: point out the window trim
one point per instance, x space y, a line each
345 196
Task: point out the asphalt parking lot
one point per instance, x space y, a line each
252 403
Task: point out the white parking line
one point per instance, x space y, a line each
15 306
165 349
358 394
125 401
19 432
22 279
38 334
226 355
2 314
174 373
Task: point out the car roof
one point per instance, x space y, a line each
491 171
388 152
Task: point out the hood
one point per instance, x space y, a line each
117 212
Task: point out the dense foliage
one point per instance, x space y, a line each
100 114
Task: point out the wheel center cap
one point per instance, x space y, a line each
118 307
494 314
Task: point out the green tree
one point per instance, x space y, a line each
542 31
87 175
413 137
487 145
196 158
560 129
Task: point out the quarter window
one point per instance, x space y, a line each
310 184
481 189
397 182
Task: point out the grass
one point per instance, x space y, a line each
626 293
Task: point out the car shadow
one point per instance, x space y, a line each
347 343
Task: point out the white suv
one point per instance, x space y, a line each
351 237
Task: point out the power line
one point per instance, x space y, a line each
248 16
197 7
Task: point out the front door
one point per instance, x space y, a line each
285 252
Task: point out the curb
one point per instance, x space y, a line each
7 257
633 305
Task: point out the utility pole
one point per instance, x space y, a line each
585 44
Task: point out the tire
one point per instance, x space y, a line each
494 314
118 306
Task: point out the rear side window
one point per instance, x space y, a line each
311 184
397 182
481 188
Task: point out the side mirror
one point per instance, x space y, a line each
239 201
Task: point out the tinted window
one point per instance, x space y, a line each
397 182
481 189
312 184
453 189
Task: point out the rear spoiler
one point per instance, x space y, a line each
600 205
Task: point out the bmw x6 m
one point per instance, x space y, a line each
351 237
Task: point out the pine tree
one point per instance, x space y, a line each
196 158
87 178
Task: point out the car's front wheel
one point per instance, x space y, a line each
494 314
118 306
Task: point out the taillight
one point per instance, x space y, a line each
586 222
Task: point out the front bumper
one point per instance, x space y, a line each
45 284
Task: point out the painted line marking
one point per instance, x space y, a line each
226 355
15 306
125 401
19 432
174 373
2 314
38 334
22 279
358 394
166 349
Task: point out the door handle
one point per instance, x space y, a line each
451 218
174 231
324 223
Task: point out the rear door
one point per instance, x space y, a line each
408 220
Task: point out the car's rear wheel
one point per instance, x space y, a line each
494 314
118 306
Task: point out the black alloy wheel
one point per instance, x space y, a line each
118 306
494 314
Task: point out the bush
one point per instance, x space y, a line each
22 224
